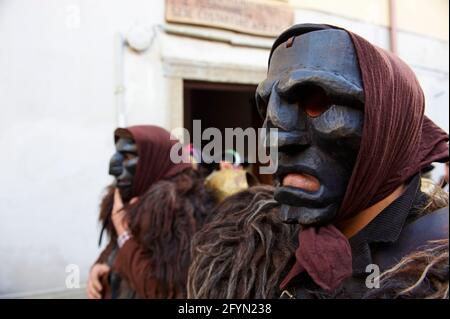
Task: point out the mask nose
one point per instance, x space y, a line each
115 165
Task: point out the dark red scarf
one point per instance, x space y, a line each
397 142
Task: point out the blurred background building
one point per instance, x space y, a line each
73 70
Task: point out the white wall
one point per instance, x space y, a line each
56 123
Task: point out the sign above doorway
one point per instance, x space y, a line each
245 16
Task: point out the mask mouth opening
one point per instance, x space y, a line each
300 180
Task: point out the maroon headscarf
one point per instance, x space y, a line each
397 142
153 146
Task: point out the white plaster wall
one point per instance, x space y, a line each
56 122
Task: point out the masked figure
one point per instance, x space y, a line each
164 205
352 140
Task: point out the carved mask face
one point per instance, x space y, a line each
123 166
313 94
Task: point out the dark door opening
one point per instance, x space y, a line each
222 105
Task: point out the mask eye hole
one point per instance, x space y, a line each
129 156
314 101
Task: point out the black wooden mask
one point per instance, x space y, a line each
314 95
123 166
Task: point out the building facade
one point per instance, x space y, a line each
73 70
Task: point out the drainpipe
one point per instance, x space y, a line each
119 87
393 26
139 39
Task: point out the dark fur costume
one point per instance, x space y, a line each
245 251
163 222
423 274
